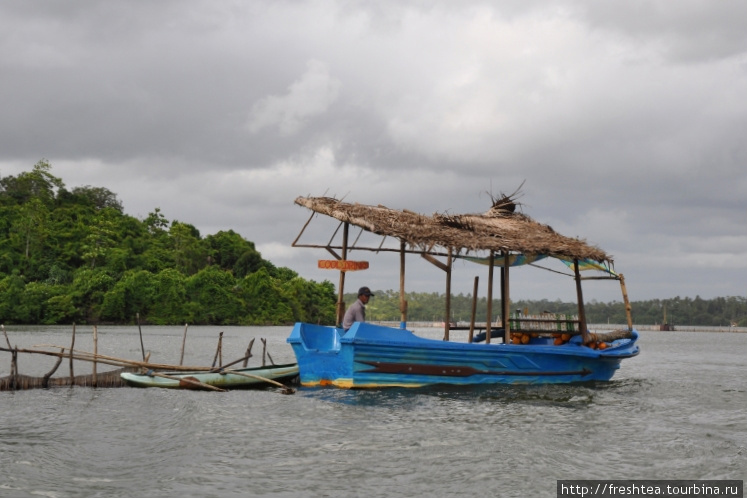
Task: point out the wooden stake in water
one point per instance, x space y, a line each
184 340
218 352
14 369
94 379
142 348
72 348
264 349
45 379
248 352
6 337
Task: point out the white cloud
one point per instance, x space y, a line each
306 98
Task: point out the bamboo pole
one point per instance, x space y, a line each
140 330
184 340
474 310
191 381
94 379
111 360
581 310
489 320
72 348
506 296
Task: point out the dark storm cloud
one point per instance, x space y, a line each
624 120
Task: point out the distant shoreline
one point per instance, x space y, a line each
592 326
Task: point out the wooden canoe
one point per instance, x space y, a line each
240 378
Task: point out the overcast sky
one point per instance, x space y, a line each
627 121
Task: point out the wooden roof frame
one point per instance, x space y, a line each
501 230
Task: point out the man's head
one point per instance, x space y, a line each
364 294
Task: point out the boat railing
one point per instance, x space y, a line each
544 323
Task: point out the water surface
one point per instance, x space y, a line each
677 411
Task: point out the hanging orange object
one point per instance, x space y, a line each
342 264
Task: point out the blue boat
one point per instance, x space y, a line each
371 355
523 348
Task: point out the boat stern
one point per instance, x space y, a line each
322 359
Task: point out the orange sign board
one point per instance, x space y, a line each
342 264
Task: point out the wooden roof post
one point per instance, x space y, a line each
628 308
489 321
447 320
402 300
341 285
474 310
506 298
581 310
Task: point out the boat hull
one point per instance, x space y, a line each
216 379
371 356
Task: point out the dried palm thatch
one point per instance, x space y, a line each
501 228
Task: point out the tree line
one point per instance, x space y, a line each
430 307
74 256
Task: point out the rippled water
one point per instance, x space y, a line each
677 411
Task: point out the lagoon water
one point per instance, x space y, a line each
677 411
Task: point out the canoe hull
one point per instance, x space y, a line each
216 379
371 356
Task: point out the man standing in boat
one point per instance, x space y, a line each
357 310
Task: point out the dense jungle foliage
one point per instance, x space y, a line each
74 256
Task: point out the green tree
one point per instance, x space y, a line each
266 301
97 197
135 292
38 183
11 292
170 301
189 253
101 237
231 251
88 289
211 297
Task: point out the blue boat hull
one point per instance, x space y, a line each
370 356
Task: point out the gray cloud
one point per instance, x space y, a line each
625 120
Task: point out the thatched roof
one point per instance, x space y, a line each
498 229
